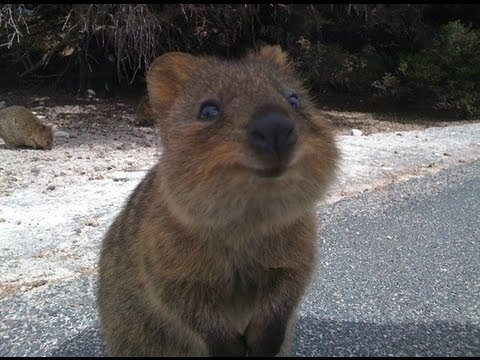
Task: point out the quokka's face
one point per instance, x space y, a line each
243 135
44 138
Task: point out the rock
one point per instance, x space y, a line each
61 134
90 94
96 177
92 222
2 104
51 187
356 132
117 179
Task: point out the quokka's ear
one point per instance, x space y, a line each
166 77
273 54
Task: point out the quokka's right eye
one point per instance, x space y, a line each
293 100
209 110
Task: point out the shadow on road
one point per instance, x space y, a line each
88 343
321 337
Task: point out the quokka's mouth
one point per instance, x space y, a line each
273 172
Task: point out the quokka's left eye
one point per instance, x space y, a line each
293 100
209 110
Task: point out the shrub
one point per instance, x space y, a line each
445 76
388 54
331 69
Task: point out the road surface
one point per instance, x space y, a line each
399 275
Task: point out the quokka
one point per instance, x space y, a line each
215 248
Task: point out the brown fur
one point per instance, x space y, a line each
208 258
144 114
19 127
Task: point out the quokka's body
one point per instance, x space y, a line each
215 247
19 127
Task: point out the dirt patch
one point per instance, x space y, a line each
369 123
103 119
10 289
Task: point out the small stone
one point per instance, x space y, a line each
92 222
96 177
2 220
90 94
356 132
35 171
61 134
51 187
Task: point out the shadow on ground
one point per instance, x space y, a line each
89 343
320 337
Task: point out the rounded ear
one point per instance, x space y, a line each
273 54
166 77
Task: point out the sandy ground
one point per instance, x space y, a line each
56 205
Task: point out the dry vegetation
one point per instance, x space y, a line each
407 56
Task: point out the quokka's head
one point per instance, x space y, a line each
240 138
43 137
39 136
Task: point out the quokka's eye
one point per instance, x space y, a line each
293 100
209 110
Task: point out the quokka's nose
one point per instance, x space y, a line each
272 132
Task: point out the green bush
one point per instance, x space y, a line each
329 68
445 76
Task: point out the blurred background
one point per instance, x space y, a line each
419 57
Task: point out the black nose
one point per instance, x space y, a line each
272 132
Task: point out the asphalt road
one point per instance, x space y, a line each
399 275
